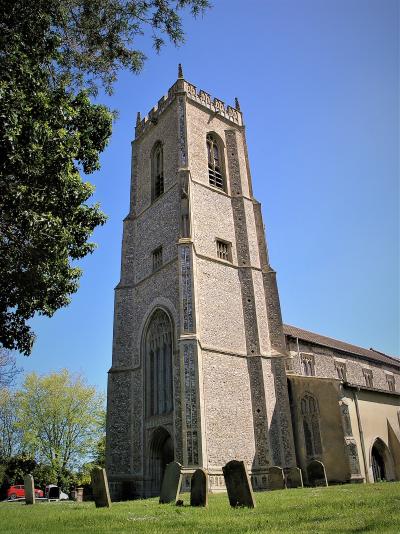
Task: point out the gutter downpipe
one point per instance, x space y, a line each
360 431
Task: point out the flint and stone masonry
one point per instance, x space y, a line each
227 352
203 369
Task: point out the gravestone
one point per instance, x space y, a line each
238 485
101 492
171 484
199 488
276 478
316 474
29 487
54 493
294 478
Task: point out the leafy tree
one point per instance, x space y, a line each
98 37
10 434
50 132
61 419
8 368
12 471
46 135
100 452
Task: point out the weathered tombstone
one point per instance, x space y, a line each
79 494
29 487
54 493
276 478
199 488
316 474
171 484
294 478
101 492
238 485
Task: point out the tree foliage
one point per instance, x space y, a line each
10 434
98 37
61 418
8 368
50 132
47 134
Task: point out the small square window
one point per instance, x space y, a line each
157 258
341 370
369 381
224 250
390 383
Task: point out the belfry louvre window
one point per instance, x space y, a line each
157 171
312 434
215 173
159 365
390 382
369 381
157 258
223 250
341 370
307 364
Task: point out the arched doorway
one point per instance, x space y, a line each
161 453
381 461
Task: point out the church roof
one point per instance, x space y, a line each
369 354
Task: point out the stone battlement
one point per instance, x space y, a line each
181 86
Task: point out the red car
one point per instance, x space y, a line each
18 492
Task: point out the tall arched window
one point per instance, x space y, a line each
346 421
312 435
215 168
157 171
158 364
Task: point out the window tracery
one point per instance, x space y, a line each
157 171
341 370
159 365
312 435
215 170
308 365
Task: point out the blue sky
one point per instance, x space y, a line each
318 83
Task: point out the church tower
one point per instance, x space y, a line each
198 370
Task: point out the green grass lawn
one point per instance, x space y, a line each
350 508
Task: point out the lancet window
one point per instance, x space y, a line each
308 365
158 365
368 377
390 383
215 169
312 434
341 370
157 171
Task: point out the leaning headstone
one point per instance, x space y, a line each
316 474
101 492
171 484
54 493
276 478
294 478
238 484
199 488
29 487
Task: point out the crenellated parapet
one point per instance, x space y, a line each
181 86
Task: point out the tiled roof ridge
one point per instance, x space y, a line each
319 339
